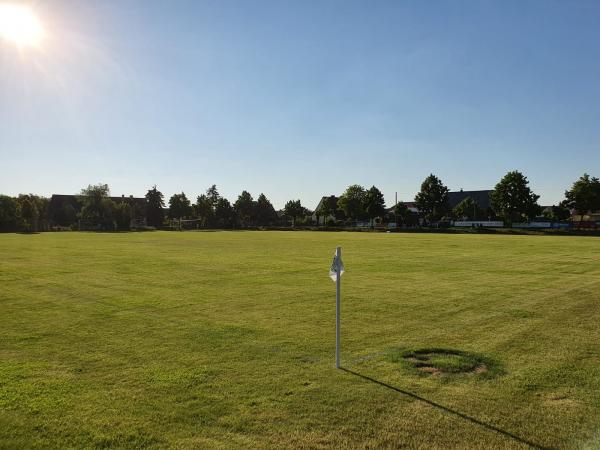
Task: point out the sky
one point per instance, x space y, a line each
299 99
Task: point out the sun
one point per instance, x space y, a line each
20 25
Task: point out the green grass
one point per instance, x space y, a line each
226 339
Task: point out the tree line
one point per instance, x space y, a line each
94 209
511 200
213 210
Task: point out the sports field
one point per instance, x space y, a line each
226 339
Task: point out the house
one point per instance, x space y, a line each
411 220
589 217
138 204
412 207
282 219
331 203
64 209
482 198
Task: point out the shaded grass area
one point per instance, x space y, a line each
445 361
225 339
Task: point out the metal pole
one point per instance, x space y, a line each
395 209
338 253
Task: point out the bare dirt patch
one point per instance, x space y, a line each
481 369
560 400
430 370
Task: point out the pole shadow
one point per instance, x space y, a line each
473 420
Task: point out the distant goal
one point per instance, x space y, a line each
186 224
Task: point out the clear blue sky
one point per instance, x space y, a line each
298 99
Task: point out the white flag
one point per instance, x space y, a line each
336 266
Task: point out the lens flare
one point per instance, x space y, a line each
20 25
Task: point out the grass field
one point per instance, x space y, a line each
226 339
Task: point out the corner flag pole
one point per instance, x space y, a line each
335 273
338 278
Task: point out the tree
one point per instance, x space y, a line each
107 220
29 212
224 213
155 204
401 212
352 202
205 210
584 195
265 213
179 206
43 206
432 200
513 200
294 209
123 214
91 198
40 210
374 205
213 194
98 208
245 208
10 211
467 209
64 210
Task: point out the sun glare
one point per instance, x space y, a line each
20 25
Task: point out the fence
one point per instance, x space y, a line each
479 223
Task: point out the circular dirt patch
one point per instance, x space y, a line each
440 361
